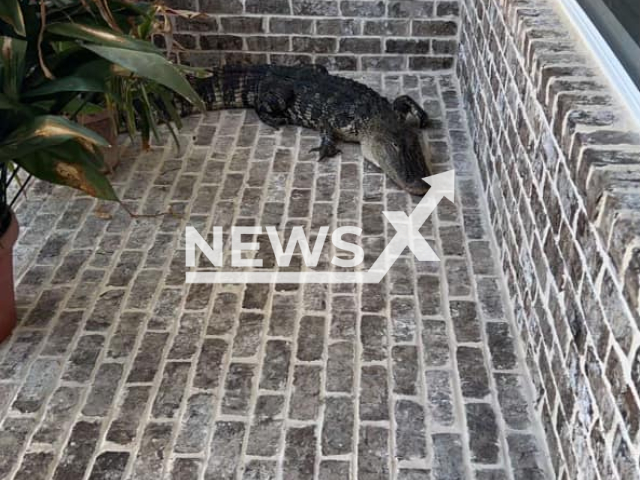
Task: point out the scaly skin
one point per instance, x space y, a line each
340 108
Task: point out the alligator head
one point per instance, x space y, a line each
399 151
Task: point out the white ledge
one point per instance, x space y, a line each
611 67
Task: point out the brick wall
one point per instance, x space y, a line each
560 165
343 35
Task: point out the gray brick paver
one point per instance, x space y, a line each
284 382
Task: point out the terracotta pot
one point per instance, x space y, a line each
102 125
7 295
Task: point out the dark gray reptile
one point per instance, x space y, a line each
340 108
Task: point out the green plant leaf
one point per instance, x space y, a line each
11 13
71 165
82 63
147 108
13 52
152 66
130 8
101 36
149 18
67 84
170 108
198 72
8 104
43 132
65 3
145 124
60 62
81 107
98 68
126 106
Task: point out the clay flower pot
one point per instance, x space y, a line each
7 296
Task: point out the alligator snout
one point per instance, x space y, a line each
407 164
416 187
399 151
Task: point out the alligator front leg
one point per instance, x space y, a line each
327 148
405 105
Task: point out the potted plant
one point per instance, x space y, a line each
61 59
134 103
8 237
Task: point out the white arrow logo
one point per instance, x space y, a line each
407 227
407 235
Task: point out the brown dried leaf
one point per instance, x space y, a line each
103 215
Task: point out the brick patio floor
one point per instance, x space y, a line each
120 370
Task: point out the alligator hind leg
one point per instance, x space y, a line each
405 105
274 121
327 148
273 101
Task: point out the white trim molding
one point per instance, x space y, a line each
608 61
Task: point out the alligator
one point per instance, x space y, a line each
341 109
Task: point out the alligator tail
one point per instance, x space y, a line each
230 86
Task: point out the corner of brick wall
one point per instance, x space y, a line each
560 164
368 35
